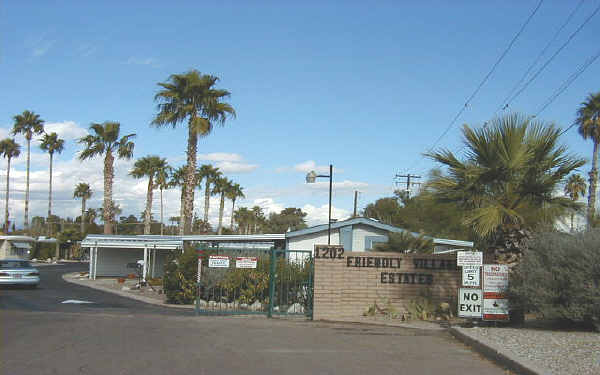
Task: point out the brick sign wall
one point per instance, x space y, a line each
347 283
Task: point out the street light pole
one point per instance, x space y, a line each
329 220
310 178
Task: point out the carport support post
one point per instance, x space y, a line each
145 268
271 284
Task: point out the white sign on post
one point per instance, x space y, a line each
495 278
470 275
217 261
495 309
495 282
469 258
469 303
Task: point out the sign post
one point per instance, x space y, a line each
198 278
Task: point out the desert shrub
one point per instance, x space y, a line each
179 279
559 277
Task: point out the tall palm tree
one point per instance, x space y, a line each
233 194
508 177
148 166
162 181
191 97
83 191
574 188
105 140
177 180
210 174
220 188
28 124
8 149
588 120
51 144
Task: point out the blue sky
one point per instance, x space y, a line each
367 87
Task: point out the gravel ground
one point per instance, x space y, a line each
561 352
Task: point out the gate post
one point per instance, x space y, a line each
271 283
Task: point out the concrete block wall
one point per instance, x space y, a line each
345 287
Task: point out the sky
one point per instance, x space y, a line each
367 87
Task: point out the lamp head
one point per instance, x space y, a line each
311 177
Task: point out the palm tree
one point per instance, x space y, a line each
177 180
51 144
508 177
210 174
91 214
28 124
148 166
574 188
588 120
162 181
234 193
220 188
8 149
83 191
105 141
191 96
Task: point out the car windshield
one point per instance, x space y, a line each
14 264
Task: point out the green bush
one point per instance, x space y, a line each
179 279
559 278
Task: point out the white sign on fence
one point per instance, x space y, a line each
218 261
469 303
246 262
470 275
469 258
495 278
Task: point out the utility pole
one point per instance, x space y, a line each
408 183
355 202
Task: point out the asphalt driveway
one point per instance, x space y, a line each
116 335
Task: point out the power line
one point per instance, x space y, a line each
537 73
485 79
568 82
506 100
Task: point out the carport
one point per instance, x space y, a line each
110 254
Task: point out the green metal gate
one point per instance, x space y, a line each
280 282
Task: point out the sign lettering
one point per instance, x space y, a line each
469 303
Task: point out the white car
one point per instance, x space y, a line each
18 272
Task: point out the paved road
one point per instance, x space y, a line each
115 335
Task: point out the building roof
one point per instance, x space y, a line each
130 242
170 242
375 224
18 238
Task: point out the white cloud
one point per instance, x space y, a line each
310 165
87 49
42 48
232 167
228 162
319 215
143 61
67 130
220 156
338 186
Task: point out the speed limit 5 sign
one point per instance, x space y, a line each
470 275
